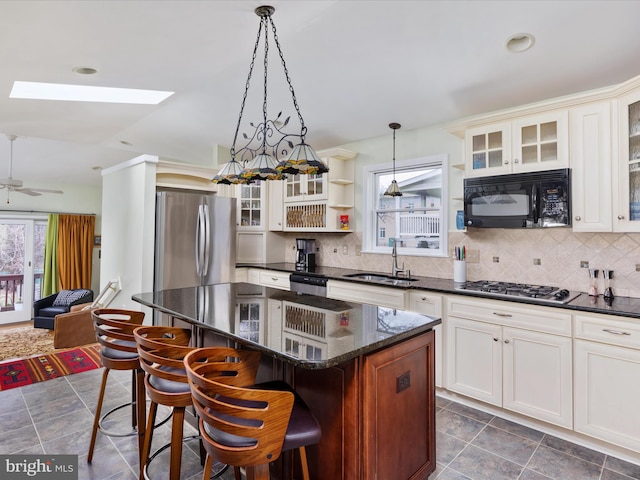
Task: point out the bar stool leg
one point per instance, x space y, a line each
148 438
141 411
96 419
176 442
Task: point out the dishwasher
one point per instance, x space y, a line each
310 284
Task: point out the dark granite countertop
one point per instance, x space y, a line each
325 331
628 307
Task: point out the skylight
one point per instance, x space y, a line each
84 93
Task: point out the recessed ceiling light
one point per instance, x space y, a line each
520 42
96 168
85 70
84 93
124 142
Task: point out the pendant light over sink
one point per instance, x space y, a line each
394 190
260 158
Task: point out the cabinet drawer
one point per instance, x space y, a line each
425 303
382 296
625 333
271 278
531 317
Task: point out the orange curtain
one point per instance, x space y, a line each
75 250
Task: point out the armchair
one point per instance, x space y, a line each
46 309
74 328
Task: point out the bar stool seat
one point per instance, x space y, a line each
114 332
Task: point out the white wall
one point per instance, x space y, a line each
410 144
128 223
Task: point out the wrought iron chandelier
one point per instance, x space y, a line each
260 157
394 190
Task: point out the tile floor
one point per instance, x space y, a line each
56 416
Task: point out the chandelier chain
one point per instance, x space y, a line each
266 69
286 74
246 90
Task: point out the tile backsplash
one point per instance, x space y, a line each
551 256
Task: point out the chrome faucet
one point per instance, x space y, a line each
395 270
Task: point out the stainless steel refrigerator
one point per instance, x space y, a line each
195 239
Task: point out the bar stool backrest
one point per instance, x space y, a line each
240 426
114 328
162 350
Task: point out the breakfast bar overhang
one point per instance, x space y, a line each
367 372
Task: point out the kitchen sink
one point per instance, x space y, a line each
382 278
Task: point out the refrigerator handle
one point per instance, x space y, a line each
206 240
199 233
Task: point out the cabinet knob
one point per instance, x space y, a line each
506 162
506 341
495 339
515 160
578 218
620 217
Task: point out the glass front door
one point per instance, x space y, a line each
21 266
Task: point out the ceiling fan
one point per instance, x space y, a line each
15 185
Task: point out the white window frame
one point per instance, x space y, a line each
370 200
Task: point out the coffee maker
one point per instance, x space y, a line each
305 254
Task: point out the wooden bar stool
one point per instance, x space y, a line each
114 332
246 426
161 351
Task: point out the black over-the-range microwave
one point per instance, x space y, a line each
519 200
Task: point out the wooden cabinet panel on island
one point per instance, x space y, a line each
381 408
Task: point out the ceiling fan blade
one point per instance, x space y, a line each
27 191
10 182
36 191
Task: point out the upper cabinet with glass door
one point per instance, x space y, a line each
628 205
251 206
531 143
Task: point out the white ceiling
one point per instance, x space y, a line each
355 67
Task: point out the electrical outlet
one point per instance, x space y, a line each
345 249
496 259
472 256
335 250
537 261
358 250
585 264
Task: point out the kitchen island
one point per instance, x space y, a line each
366 372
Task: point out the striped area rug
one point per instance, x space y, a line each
25 371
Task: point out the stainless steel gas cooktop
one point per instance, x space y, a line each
537 293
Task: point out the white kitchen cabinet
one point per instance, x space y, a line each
474 359
315 203
428 303
488 150
274 279
591 178
259 213
537 375
531 143
364 293
515 357
606 373
627 205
